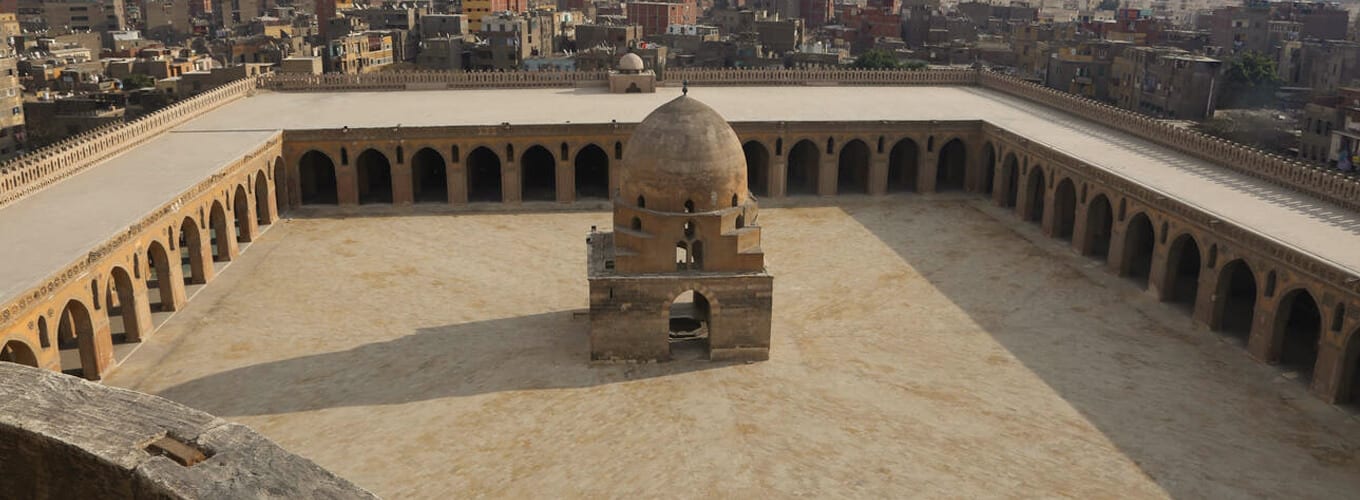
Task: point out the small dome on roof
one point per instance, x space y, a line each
630 62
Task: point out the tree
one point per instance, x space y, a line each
138 81
1250 82
1108 5
876 59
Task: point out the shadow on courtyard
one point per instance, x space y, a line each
1129 381
526 353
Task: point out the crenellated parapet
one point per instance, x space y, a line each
431 80
1322 183
32 172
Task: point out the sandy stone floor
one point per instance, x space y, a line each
922 347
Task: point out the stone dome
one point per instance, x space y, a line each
683 151
630 62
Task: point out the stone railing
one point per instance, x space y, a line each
427 80
1326 184
431 80
34 171
824 76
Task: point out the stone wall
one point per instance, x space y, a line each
34 171
63 437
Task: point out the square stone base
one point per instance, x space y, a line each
630 315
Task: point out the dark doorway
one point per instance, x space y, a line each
1138 246
76 331
1182 271
191 253
988 168
219 237
852 170
757 167
1010 174
375 177
159 285
1298 328
1099 223
952 166
1235 309
15 351
902 166
1065 209
241 211
484 175
1034 193
262 215
689 326
539 174
804 167
592 173
429 177
280 187
316 175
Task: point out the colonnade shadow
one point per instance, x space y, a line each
1135 421
540 351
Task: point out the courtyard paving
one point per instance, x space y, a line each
923 346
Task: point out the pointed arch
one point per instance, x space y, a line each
689 324
263 215
1297 331
903 166
1183 264
852 169
952 166
281 187
373 173
591 172
804 169
1064 209
757 166
429 177
18 351
1035 189
988 168
125 303
243 220
538 174
191 252
1010 181
219 236
1099 227
76 331
1139 240
160 279
484 175
1234 311
316 177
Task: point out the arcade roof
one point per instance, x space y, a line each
55 227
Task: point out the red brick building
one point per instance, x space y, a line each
815 13
655 17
